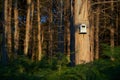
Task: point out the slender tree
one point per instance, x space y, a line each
4 35
39 31
67 28
97 33
28 26
60 26
92 33
50 51
117 25
32 31
9 30
112 43
16 27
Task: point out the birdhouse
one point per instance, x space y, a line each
83 29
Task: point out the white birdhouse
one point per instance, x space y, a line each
83 29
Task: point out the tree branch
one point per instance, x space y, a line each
104 2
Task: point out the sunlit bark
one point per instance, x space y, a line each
97 34
39 31
16 32
92 34
28 26
7 19
82 41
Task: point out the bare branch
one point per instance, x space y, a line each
104 2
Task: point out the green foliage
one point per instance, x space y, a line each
109 52
57 61
83 72
56 68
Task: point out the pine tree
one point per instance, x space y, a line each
82 41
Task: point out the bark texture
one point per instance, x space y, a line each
9 35
112 43
39 31
27 34
82 41
16 32
97 34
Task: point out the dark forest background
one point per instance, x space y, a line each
37 40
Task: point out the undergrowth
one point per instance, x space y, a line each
57 68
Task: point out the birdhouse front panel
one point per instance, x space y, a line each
82 28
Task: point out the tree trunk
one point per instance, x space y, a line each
112 44
60 28
33 33
117 26
4 35
117 31
97 34
82 41
51 31
67 29
92 34
8 5
112 40
39 31
68 41
16 32
27 34
5 19
72 34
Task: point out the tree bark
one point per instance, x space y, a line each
67 29
112 43
16 32
97 34
92 34
82 41
4 34
28 26
51 31
117 31
68 41
7 13
39 31
5 19
33 32
60 28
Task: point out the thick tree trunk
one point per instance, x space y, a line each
27 34
82 41
39 31
16 32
